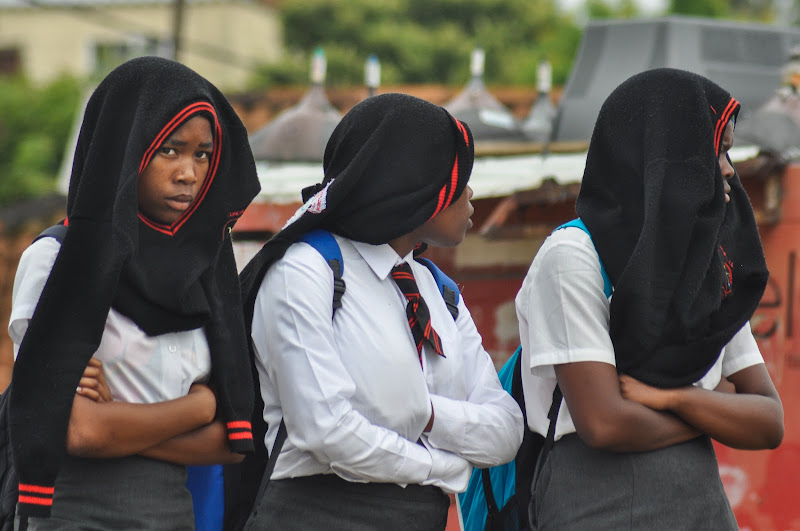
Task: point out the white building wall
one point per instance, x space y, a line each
222 41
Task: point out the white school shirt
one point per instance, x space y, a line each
138 368
564 318
351 389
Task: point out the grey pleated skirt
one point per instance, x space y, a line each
675 488
331 503
121 494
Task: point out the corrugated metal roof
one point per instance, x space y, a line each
491 176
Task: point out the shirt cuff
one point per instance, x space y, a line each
449 428
449 472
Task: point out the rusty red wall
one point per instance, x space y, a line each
764 487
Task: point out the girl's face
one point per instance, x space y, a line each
171 181
449 227
724 161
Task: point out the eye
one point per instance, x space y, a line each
164 150
203 155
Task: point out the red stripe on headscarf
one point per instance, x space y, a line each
463 131
444 203
722 122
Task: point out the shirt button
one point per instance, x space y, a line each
173 348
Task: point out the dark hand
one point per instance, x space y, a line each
93 383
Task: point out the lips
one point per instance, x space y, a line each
180 202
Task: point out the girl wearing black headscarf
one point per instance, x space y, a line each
650 375
145 282
381 422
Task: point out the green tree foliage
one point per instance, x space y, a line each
751 10
34 127
425 41
701 8
598 9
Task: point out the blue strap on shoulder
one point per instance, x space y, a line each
608 288
326 245
447 286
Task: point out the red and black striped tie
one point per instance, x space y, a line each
419 317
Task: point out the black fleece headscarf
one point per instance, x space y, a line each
688 269
165 278
392 163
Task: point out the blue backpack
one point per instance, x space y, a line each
245 485
497 498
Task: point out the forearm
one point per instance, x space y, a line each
204 446
743 421
607 421
485 434
635 428
746 415
117 429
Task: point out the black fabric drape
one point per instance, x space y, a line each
688 269
165 278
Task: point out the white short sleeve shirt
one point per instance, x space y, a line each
564 318
138 368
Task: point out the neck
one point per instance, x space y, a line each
404 244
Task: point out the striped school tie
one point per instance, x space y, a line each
419 317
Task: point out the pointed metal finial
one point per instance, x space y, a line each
372 74
318 66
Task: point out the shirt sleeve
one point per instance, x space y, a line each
486 427
293 334
32 274
741 352
568 313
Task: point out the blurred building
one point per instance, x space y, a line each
488 119
223 40
300 133
744 58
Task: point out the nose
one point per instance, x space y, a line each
726 167
186 172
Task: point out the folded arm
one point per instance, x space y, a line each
117 429
751 418
486 426
604 419
207 445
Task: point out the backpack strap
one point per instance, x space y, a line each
57 231
280 438
447 286
549 441
578 223
326 245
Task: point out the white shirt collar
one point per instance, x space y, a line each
381 258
